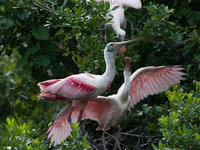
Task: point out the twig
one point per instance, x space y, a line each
65 3
2 49
137 144
140 22
181 44
131 27
140 136
114 139
42 6
134 129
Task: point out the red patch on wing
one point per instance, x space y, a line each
79 84
60 97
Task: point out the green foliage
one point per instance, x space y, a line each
75 141
18 137
180 128
36 45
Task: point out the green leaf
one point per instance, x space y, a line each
42 33
115 8
191 18
24 14
22 61
7 22
145 108
177 14
184 10
107 4
33 49
42 60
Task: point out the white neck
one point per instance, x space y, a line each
126 89
109 74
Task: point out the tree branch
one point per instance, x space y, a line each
140 21
2 49
46 8
65 3
181 44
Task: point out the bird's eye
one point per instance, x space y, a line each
111 44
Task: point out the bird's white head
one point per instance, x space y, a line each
121 34
114 47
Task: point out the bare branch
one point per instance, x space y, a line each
115 138
140 136
65 3
2 49
132 29
42 6
140 21
181 44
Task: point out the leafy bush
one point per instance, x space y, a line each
37 44
20 137
181 127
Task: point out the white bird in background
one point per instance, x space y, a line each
109 110
119 21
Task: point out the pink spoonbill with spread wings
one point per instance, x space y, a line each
83 87
119 21
109 110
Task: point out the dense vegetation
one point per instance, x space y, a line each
41 40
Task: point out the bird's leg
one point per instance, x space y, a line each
117 138
73 104
90 139
103 139
85 132
69 117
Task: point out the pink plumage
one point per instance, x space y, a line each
79 88
152 80
109 110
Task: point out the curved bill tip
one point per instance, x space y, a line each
122 49
128 59
130 41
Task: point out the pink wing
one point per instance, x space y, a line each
70 88
60 129
96 108
152 80
131 3
45 84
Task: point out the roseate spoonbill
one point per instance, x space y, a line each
60 128
83 87
119 21
109 110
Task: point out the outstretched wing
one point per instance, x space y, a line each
152 80
60 129
96 108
